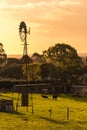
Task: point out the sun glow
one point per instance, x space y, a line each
51 22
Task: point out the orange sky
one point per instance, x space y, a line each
51 21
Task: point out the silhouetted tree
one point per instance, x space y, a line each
62 53
33 71
12 71
26 59
47 71
66 59
3 56
36 57
13 60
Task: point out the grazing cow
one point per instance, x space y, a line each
54 96
44 96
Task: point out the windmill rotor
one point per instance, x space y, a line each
23 35
23 25
23 31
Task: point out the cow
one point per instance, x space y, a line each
44 96
54 96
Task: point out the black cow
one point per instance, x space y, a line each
44 96
54 96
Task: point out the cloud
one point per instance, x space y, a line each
50 20
46 14
69 2
45 6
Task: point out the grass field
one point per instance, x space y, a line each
48 114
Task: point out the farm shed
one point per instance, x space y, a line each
79 90
6 105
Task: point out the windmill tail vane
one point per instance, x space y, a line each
29 30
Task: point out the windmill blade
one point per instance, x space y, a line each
29 30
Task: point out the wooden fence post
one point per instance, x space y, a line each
67 113
16 107
50 110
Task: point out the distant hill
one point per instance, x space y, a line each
14 56
20 55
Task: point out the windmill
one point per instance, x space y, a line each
26 59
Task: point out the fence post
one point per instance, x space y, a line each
50 110
16 107
67 113
32 109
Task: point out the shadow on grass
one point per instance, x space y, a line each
82 122
54 121
14 113
18 115
76 98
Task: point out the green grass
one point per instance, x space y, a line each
41 118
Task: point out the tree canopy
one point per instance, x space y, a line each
68 63
62 53
36 57
3 56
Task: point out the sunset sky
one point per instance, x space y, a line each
51 21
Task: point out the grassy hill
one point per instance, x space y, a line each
48 114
